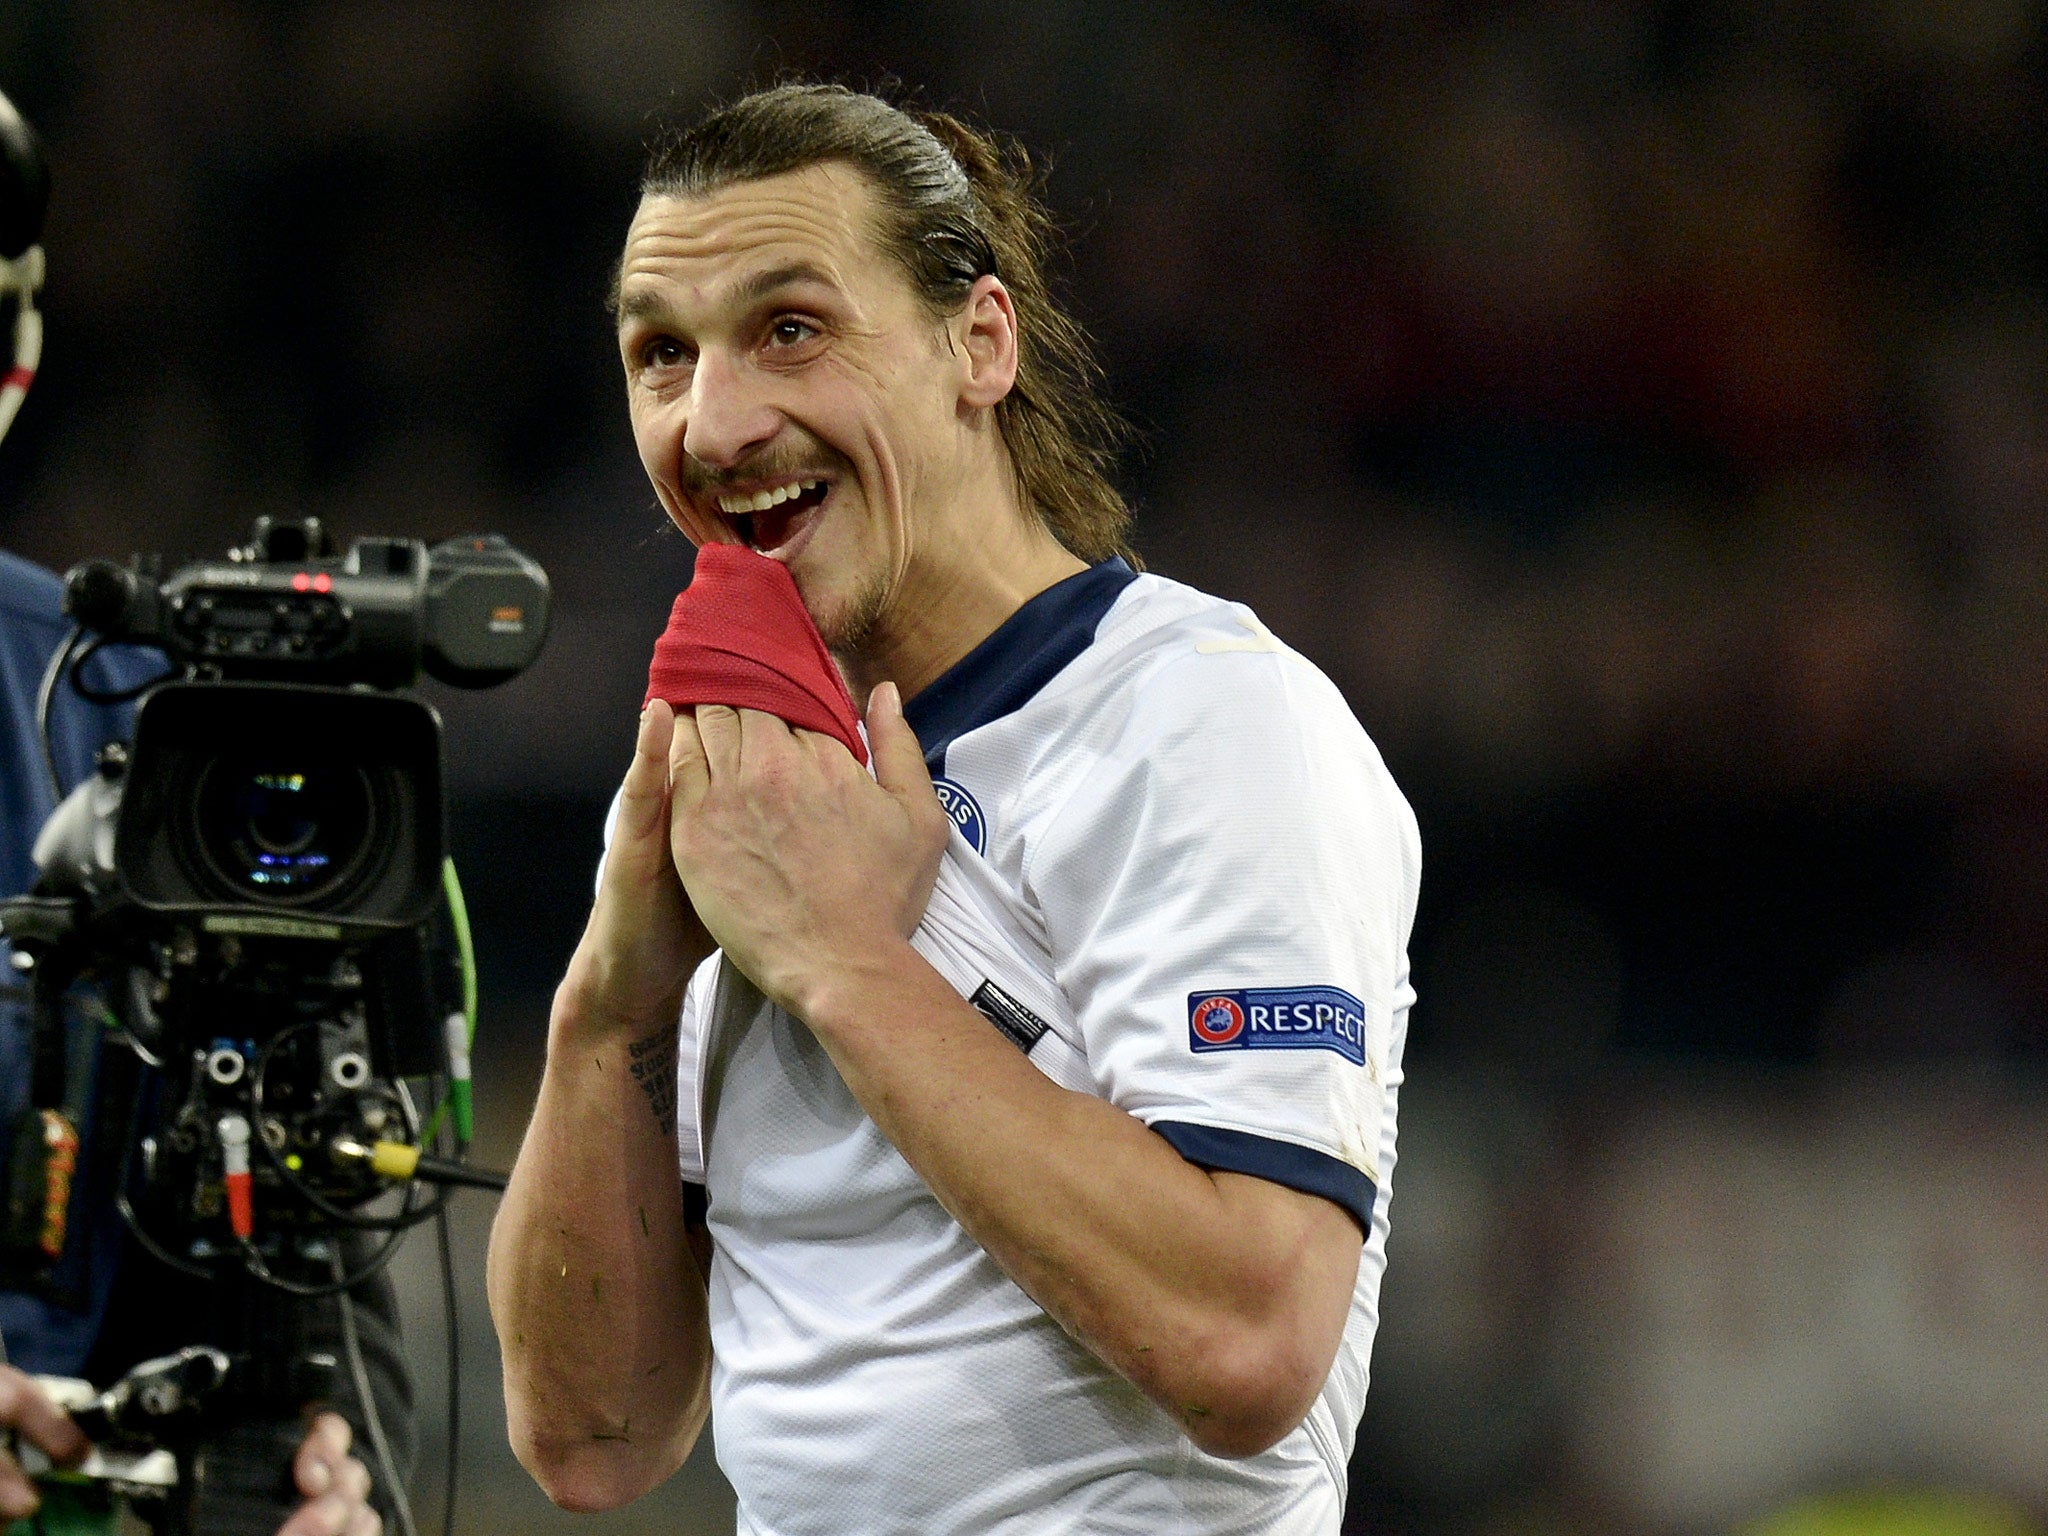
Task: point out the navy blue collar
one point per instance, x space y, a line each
1028 650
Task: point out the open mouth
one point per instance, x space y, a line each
766 520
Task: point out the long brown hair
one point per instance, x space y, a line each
957 204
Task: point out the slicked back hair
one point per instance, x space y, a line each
956 204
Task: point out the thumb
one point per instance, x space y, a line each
899 759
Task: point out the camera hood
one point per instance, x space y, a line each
283 809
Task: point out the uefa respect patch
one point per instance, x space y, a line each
1278 1019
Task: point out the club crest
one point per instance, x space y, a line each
964 812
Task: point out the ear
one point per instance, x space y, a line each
985 337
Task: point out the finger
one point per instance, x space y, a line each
26 1408
718 725
332 1432
324 1449
643 798
367 1522
353 1480
18 1498
327 1515
764 739
689 770
899 760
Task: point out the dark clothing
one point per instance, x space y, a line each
110 1305
52 1337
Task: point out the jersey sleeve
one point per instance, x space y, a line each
689 1126
1228 893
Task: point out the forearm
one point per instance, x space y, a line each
599 1309
1220 1296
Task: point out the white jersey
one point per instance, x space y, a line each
1180 878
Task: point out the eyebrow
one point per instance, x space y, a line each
651 304
761 284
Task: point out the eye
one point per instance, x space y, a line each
789 331
662 352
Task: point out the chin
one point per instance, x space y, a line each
846 621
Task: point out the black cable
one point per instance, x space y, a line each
252 1261
151 1246
94 695
366 1401
448 1306
45 691
413 1212
129 1219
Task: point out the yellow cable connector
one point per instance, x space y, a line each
394 1159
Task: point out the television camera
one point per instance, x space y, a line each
234 960
246 897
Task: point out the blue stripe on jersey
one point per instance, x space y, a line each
1302 1168
1028 650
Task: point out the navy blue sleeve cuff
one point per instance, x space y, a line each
1302 1168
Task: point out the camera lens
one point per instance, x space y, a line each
284 834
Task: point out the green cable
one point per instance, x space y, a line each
459 1099
458 912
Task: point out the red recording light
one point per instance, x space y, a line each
302 582
323 583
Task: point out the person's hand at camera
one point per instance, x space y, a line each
26 1412
336 1485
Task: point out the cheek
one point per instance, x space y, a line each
655 438
653 443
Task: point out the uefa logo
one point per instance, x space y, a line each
1217 1020
963 811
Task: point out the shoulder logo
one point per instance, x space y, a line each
964 811
1216 1020
1278 1019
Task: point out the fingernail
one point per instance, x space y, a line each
892 700
319 1477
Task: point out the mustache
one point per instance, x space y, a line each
778 461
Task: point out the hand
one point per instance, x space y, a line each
27 1410
336 1485
643 940
801 866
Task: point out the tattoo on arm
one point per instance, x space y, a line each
653 1064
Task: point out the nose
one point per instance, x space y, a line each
729 414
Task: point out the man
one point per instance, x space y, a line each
1090 1244
119 1307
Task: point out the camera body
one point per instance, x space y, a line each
284 607
247 894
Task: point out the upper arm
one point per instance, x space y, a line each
1229 892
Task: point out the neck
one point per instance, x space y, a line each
956 592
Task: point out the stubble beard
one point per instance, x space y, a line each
848 633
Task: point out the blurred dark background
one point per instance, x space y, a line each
1639 407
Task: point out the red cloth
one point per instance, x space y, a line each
739 635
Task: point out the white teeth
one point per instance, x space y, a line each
761 501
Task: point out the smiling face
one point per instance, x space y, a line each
788 391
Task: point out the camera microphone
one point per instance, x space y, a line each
24 183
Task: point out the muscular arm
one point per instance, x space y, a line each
599 1307
1222 1297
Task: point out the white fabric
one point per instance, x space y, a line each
1187 807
